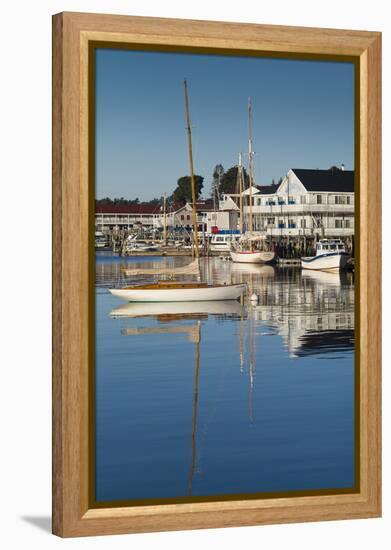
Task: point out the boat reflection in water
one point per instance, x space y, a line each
175 309
200 398
171 312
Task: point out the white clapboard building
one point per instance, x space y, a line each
312 203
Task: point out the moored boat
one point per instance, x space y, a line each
331 255
167 291
252 256
245 252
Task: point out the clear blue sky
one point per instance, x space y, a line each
303 117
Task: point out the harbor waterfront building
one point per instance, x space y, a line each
118 218
307 203
114 218
305 206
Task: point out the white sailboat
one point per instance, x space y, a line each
247 254
175 291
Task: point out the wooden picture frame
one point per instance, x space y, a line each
72 226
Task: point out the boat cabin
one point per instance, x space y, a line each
328 246
223 241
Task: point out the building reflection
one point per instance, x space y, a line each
312 311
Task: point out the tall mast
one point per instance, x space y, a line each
165 220
193 195
250 169
240 174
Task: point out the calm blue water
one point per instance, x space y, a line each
223 398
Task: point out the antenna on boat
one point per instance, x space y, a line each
193 194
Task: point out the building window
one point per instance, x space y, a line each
347 224
318 199
270 221
182 217
303 223
338 223
342 199
259 202
303 199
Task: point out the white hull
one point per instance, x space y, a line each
326 262
202 294
255 257
221 307
256 269
328 278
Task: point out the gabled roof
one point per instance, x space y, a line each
205 206
202 205
268 189
333 179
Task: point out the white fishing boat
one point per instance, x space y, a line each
245 252
223 242
100 239
140 246
181 291
331 255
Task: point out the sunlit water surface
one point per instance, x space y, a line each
222 398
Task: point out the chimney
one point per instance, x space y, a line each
342 167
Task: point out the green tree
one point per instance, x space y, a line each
228 181
121 201
218 173
182 193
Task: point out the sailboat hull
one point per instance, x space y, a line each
255 257
192 294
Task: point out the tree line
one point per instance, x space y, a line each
222 182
